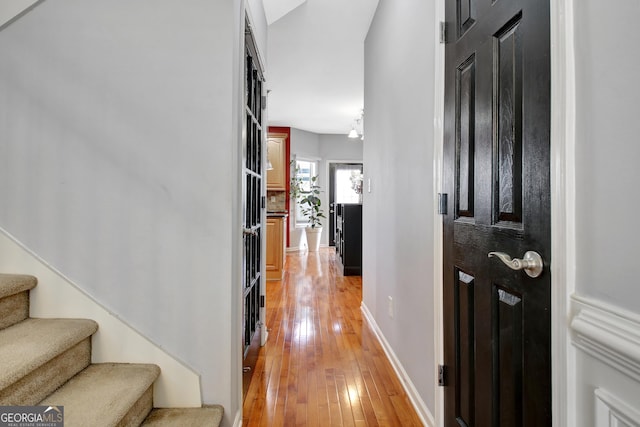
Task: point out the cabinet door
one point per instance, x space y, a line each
276 152
274 255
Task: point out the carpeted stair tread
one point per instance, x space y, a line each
14 298
32 343
178 417
104 394
11 284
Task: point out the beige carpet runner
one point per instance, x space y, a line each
48 362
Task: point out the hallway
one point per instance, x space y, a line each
321 366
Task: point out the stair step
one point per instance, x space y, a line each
192 417
14 298
107 394
39 355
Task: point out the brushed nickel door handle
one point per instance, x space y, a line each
531 263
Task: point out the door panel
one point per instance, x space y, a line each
465 344
496 166
507 103
465 127
507 338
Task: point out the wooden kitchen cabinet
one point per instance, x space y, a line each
275 256
277 153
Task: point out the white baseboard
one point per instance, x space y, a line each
237 422
421 408
116 341
303 248
608 333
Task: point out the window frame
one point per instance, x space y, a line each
300 219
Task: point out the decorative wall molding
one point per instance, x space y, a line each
421 408
608 333
613 412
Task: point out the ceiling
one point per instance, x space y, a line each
315 62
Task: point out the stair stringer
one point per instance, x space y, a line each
56 296
12 9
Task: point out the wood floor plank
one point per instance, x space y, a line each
322 364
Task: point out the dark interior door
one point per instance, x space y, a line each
253 190
496 171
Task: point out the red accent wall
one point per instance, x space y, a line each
287 130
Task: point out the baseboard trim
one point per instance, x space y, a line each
237 421
421 408
303 248
608 333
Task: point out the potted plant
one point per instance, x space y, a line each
308 198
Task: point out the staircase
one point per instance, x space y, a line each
48 362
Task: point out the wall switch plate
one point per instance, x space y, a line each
390 307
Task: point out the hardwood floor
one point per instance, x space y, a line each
322 364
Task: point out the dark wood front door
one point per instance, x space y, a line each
497 345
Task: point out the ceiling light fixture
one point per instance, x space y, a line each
357 128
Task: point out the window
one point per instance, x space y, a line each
305 169
348 184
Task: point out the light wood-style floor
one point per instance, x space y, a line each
322 364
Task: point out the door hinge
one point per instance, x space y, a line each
263 201
442 376
443 32
442 203
261 301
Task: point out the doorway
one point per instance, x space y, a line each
345 186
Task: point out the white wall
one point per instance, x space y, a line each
340 147
118 164
607 151
607 196
398 212
304 144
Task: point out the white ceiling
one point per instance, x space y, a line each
315 62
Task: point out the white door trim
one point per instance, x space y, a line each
562 209
438 159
